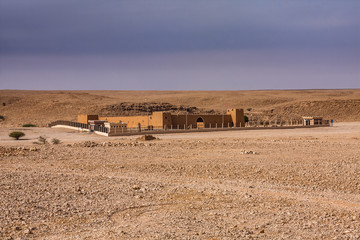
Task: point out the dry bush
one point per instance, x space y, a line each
55 141
42 140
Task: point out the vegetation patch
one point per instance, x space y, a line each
16 135
29 125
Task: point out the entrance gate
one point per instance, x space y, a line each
200 123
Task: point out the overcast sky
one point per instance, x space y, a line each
179 45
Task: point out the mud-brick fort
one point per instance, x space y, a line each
167 120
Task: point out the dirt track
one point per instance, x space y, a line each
299 184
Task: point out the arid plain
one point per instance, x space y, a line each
263 184
43 107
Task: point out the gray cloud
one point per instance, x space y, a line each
168 44
96 27
218 70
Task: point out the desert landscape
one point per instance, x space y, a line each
42 107
263 184
211 120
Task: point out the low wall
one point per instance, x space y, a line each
112 134
80 129
70 127
212 130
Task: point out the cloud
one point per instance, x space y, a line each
168 44
217 70
104 27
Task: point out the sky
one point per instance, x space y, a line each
179 44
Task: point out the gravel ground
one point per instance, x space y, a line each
264 184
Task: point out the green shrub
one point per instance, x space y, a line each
246 118
16 135
55 141
29 125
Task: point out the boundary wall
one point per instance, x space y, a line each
168 131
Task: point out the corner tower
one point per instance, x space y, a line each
237 117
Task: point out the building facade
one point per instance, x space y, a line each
313 120
160 120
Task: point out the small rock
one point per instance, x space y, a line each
28 231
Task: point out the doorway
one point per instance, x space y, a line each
200 123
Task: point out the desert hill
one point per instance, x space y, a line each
19 107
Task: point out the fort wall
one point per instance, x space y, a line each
206 120
232 118
237 116
83 118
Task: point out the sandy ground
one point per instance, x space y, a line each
263 184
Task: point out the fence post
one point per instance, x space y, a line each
185 126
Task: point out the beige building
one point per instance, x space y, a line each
312 120
159 120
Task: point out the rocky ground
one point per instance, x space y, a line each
263 184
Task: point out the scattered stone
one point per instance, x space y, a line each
136 187
28 231
15 151
248 152
146 138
